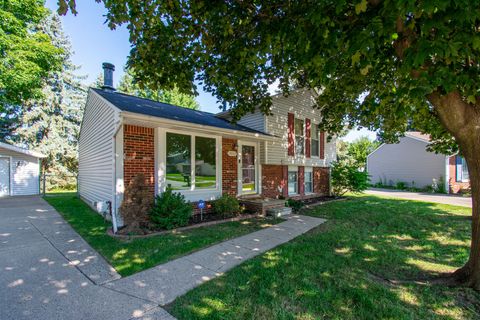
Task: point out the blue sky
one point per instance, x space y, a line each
93 43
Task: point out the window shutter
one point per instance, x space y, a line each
291 134
307 138
322 145
301 180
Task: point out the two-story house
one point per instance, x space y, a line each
199 154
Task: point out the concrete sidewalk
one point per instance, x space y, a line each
422 196
164 283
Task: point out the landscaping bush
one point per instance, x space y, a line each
226 205
400 185
347 178
136 204
294 204
170 210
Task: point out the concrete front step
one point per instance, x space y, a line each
279 211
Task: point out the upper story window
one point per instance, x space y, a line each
314 141
180 157
299 137
461 169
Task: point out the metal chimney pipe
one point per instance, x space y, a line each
108 69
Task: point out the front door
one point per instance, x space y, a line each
4 176
248 169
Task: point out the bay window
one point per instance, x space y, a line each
179 160
299 137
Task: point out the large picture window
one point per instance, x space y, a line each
299 137
315 141
205 163
179 170
179 159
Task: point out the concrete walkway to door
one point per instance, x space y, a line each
164 283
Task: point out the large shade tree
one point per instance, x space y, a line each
380 64
27 57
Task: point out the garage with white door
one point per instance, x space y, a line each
19 171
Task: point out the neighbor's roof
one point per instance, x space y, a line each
149 107
21 150
418 135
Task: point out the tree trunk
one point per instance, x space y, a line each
462 120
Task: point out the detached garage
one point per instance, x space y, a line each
19 171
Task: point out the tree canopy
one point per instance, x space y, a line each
27 56
379 64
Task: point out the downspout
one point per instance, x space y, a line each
114 202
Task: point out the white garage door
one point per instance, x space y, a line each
4 176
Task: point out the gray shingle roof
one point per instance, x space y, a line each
134 104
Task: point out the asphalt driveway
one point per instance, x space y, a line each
422 196
47 271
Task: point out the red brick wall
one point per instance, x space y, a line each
321 180
301 181
229 167
455 186
272 178
139 154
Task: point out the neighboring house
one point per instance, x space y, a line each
409 162
19 171
271 156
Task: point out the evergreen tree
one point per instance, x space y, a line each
51 125
173 96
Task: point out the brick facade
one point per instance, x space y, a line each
455 186
275 180
321 180
272 179
139 154
229 167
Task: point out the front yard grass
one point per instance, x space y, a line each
131 256
358 265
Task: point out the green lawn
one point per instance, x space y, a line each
339 270
131 256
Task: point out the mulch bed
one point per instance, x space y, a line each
212 220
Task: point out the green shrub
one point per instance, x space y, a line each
400 185
170 210
294 204
226 205
347 178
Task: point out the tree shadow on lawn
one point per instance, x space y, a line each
342 270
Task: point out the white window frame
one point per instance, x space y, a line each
292 169
308 170
191 194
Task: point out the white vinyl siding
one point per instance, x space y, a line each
300 104
255 121
96 150
24 173
407 161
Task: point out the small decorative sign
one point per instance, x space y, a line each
201 204
232 153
